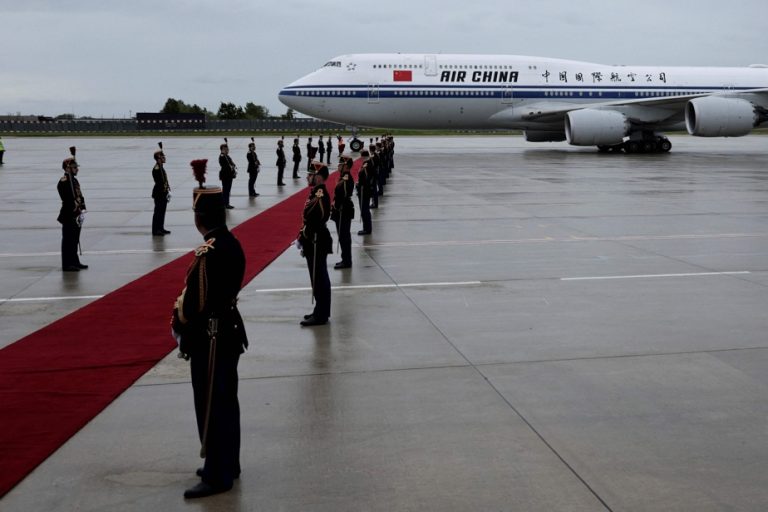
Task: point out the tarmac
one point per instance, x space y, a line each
529 328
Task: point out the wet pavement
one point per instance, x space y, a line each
529 327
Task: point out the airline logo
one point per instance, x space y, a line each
402 75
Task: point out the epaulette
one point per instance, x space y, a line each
345 177
208 245
319 193
63 178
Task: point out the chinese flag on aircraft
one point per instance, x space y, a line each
402 75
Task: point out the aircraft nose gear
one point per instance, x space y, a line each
356 145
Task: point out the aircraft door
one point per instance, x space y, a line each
373 93
430 65
506 94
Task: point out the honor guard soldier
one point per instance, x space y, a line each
296 158
161 193
211 335
316 243
311 152
253 168
343 211
374 169
227 173
340 145
71 215
280 163
364 185
329 149
2 150
321 148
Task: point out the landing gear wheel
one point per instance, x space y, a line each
632 146
603 149
649 147
356 145
665 145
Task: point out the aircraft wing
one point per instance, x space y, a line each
642 110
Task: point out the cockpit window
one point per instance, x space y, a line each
333 64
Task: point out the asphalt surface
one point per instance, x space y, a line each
529 328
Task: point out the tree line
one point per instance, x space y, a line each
227 110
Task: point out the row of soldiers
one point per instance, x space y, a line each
315 240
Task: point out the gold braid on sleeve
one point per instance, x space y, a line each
203 284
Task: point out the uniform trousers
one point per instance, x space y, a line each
158 218
222 459
344 226
317 257
280 171
70 240
251 182
226 188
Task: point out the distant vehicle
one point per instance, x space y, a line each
616 108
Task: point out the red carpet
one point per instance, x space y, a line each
54 381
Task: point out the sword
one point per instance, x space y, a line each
213 327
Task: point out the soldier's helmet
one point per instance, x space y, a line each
204 199
67 162
347 161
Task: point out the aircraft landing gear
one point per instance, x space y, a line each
647 142
356 145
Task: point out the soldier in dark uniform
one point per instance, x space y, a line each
227 173
280 163
161 193
316 244
341 145
210 331
296 158
321 148
343 211
253 168
71 215
374 168
329 149
311 152
364 184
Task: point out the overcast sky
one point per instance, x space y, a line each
107 58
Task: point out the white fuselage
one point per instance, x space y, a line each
496 91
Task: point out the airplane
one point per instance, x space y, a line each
617 108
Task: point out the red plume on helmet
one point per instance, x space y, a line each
72 150
198 169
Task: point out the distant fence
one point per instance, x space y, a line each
131 125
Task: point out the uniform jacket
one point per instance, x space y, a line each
365 181
72 201
317 211
296 153
253 162
162 187
280 157
342 197
228 168
213 281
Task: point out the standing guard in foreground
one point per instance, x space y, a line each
227 173
280 163
343 211
71 215
210 332
316 243
161 193
253 168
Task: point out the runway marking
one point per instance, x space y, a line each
646 276
46 299
268 290
632 238
88 253
374 286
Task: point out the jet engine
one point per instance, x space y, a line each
590 127
716 116
544 136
